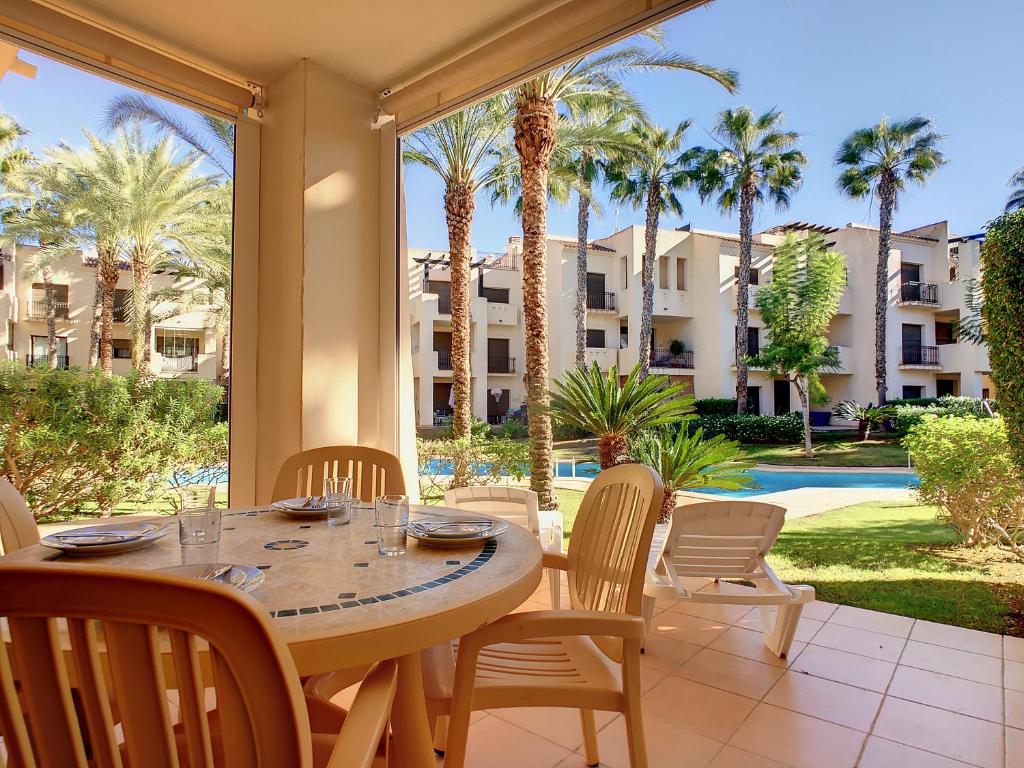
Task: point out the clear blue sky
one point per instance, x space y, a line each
819 61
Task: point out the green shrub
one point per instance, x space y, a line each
513 429
478 429
78 441
449 463
905 417
918 401
967 469
561 432
715 406
753 429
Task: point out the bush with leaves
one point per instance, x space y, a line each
205 459
905 417
754 429
715 406
479 429
513 429
450 463
77 441
967 469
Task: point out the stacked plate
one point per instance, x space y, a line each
310 506
243 577
107 539
440 531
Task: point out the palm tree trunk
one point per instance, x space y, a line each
141 280
50 293
94 325
803 390
224 362
743 293
886 204
534 132
582 227
458 210
668 503
109 268
610 449
650 248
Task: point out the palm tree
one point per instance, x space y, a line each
534 135
589 400
755 160
13 156
1016 199
651 176
463 149
880 161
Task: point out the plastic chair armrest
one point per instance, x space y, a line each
366 720
551 533
556 560
534 624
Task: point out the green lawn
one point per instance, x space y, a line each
895 557
832 452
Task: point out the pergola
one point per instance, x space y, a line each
321 93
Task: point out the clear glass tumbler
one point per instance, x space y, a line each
391 516
338 500
198 524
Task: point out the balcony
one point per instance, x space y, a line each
36 310
601 302
845 355
751 296
919 294
501 365
42 361
918 356
184 364
444 360
444 304
605 358
663 357
502 314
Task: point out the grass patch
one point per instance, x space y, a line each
896 558
160 505
832 453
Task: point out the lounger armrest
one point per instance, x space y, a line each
534 624
800 593
368 717
556 560
550 529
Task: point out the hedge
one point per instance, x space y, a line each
753 429
715 406
906 417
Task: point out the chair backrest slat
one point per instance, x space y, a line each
13 729
517 505
192 697
17 525
710 537
374 472
89 673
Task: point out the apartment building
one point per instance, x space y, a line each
695 316
184 344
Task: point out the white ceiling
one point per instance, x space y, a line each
376 43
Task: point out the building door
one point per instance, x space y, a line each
910 273
753 341
442 398
946 387
596 291
911 338
754 401
781 395
498 404
498 360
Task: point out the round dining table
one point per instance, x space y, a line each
339 604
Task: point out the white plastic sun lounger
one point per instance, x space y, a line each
726 540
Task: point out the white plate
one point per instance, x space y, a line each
108 539
243 577
294 508
453 528
463 541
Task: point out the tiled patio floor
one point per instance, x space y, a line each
860 689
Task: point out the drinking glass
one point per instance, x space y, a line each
198 524
391 515
338 500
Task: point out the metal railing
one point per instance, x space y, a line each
43 361
663 357
501 365
120 313
921 293
35 309
444 304
600 300
444 360
919 355
186 364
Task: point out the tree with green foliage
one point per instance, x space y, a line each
879 162
597 403
1002 282
797 306
755 160
1015 201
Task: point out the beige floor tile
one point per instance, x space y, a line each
843 667
1014 708
958 637
1013 648
945 733
873 621
1014 675
882 753
725 614
651 676
860 641
797 740
750 645
838 703
949 661
730 757
1014 748
701 709
819 610
562 726
690 629
805 630
667 746
497 743
730 673
665 653
946 692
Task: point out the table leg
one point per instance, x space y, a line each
413 745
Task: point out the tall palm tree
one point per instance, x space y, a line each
13 156
463 149
651 176
1016 199
534 135
755 160
880 161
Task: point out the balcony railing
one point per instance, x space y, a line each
501 365
444 360
663 357
42 361
120 313
601 301
186 364
444 304
919 293
36 309
918 355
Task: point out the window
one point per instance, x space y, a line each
120 305
663 272
944 333
122 349
912 392
946 387
625 273
40 354
753 341
10 335
680 274
180 350
595 338
755 275
496 295
910 273
984 393
754 401
37 305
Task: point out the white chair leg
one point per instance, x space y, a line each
779 634
555 585
441 734
647 610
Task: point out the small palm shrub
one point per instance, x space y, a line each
589 400
866 416
967 470
690 461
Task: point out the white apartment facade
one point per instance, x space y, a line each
695 316
185 344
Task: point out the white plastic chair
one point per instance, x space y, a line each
520 506
727 540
